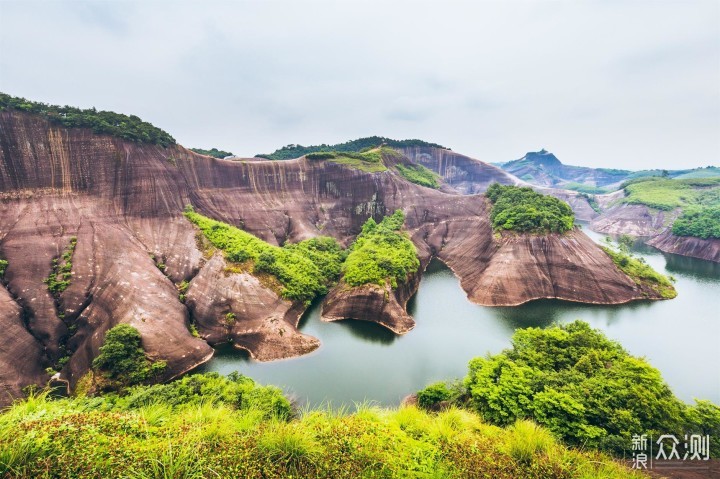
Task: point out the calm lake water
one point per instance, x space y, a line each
360 361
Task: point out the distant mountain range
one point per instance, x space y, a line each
543 168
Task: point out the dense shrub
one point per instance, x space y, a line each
305 269
524 210
702 222
122 357
381 254
418 174
3 267
361 144
214 152
126 127
583 387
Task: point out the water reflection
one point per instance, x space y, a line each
368 331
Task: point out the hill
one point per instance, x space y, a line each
361 144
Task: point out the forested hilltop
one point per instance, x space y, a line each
126 127
295 151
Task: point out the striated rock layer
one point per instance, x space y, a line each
707 249
123 202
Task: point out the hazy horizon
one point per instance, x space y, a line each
632 85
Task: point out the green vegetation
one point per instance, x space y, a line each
214 152
61 273
3 267
381 254
419 175
667 194
361 144
210 426
524 210
304 270
702 222
583 387
592 201
122 360
126 127
587 189
368 161
638 270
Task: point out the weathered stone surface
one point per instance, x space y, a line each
371 302
260 321
707 249
634 220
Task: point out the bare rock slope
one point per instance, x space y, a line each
123 203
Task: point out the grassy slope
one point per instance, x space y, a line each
668 194
98 437
642 273
361 144
304 270
419 175
369 161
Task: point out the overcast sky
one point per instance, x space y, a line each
627 84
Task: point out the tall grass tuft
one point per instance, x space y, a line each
528 440
289 447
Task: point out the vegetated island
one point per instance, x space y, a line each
380 275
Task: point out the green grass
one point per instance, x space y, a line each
181 435
667 194
303 270
368 161
523 210
381 254
587 189
419 175
642 273
61 273
3 267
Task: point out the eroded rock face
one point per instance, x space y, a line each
707 249
237 308
123 202
634 220
371 302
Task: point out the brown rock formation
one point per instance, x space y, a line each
371 302
123 202
707 249
634 220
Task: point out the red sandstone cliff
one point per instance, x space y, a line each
123 202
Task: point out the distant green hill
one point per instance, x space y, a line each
214 152
295 151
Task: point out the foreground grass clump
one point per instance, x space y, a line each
638 270
305 270
667 194
582 387
381 254
204 426
419 175
702 222
524 210
367 161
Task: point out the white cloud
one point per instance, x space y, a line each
603 83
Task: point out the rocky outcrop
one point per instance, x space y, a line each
465 175
707 249
633 220
371 302
238 308
123 202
